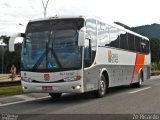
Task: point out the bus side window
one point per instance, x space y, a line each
138 44
143 46
131 42
148 47
91 27
123 40
87 53
114 37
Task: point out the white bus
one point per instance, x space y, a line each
77 54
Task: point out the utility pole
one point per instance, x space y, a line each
45 7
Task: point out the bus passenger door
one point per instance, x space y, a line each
87 53
87 62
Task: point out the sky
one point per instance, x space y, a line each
130 12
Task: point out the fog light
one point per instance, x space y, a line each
78 87
24 87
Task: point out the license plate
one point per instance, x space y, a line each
47 88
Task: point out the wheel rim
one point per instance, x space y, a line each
140 81
102 87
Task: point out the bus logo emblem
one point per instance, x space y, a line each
46 77
109 55
112 58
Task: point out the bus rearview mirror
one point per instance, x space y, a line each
12 40
81 37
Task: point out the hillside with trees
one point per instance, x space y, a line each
153 33
150 31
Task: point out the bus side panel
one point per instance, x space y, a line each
146 72
90 78
118 75
147 66
121 62
92 74
120 67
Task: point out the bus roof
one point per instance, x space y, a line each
58 17
87 17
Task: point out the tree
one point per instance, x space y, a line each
5 39
10 57
13 58
155 49
2 51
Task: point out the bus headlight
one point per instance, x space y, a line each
26 79
78 87
69 79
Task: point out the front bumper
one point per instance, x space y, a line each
63 87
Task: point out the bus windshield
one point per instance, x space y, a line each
52 45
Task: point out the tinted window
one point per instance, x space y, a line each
114 37
123 40
92 33
47 43
131 42
103 35
101 26
143 46
90 25
137 44
87 53
147 47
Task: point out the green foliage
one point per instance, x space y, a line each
153 33
150 31
155 49
154 66
9 58
11 90
13 58
5 39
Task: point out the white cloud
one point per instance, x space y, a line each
130 12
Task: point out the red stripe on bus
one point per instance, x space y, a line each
139 64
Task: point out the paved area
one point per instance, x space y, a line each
119 100
2 75
6 78
120 103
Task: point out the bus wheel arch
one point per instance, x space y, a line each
142 75
105 73
140 80
103 84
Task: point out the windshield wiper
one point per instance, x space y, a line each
44 55
56 58
39 60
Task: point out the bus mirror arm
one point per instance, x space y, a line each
12 40
81 37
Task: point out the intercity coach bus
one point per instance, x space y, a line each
77 54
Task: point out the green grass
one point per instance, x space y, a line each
11 90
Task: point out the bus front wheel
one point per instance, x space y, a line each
102 87
55 95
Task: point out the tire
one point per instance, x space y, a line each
55 95
102 87
139 83
140 80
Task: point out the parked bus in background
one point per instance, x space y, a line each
77 54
